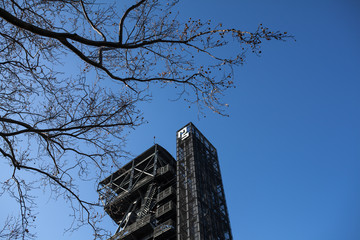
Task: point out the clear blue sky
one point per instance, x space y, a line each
290 150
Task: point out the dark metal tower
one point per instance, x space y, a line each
155 197
201 211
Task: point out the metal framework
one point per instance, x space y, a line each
201 211
140 196
155 197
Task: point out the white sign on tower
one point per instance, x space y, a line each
183 133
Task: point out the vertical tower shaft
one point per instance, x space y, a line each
201 210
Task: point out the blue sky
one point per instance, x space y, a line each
290 150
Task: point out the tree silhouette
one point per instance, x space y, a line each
59 125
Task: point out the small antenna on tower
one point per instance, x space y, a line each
154 140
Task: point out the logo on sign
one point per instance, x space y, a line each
183 133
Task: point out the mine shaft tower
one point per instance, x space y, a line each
156 197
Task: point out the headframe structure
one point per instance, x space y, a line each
140 197
155 197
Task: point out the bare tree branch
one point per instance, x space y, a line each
64 126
